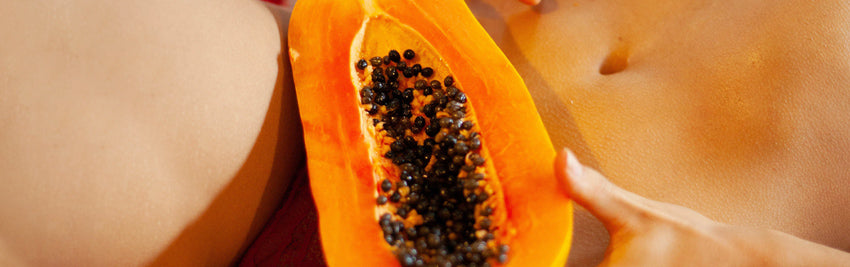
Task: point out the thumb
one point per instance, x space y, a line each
610 204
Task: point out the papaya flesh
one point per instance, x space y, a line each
484 128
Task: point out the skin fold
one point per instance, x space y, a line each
165 132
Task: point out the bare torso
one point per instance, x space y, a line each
161 135
737 110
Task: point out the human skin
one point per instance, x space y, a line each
137 132
736 110
167 134
645 232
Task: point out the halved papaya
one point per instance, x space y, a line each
424 146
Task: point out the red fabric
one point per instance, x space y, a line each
291 238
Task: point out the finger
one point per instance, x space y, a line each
530 2
610 204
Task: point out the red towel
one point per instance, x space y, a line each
279 2
291 238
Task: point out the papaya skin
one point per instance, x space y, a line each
537 212
734 110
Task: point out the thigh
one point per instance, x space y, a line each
141 131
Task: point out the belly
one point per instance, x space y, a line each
719 108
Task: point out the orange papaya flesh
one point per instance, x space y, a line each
429 156
438 203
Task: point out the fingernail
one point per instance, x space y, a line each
574 168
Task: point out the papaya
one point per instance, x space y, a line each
423 144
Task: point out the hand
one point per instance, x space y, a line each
650 233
